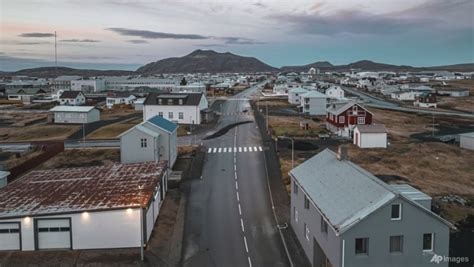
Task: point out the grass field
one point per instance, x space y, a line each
113 130
82 158
37 132
290 126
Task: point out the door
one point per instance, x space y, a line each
10 238
53 233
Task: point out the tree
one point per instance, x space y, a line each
183 81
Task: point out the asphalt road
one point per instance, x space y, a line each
229 220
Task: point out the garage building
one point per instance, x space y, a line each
75 114
114 206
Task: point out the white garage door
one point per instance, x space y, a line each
10 236
53 233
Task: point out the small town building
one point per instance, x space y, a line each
151 140
3 178
25 95
88 85
343 215
119 98
175 107
426 100
370 136
342 117
313 103
466 140
138 104
454 93
102 207
75 114
63 83
405 96
294 95
72 98
335 92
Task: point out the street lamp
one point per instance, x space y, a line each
292 149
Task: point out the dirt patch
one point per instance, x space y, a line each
83 158
114 130
37 132
115 113
290 126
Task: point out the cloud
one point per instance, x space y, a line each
260 5
145 34
155 35
36 34
211 45
32 43
138 41
80 41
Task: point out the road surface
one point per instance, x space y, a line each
229 220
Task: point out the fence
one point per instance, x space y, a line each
49 149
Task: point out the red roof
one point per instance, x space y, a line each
55 191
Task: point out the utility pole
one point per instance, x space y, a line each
433 125
266 104
55 55
83 135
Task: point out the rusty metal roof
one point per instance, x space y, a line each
55 191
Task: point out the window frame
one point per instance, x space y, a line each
306 232
295 188
399 212
180 115
431 243
306 202
365 244
143 143
342 119
391 245
324 225
360 120
170 115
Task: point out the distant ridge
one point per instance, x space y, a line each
45 72
206 61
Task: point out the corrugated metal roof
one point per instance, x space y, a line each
146 130
344 192
298 90
54 191
410 192
163 123
372 128
72 109
467 134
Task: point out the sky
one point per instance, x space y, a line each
123 34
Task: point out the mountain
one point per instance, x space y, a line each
204 61
316 65
46 72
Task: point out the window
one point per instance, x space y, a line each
362 246
143 142
170 115
170 101
181 101
396 244
180 115
306 231
295 188
360 120
396 213
306 202
341 119
428 241
324 225
295 211
160 101
160 114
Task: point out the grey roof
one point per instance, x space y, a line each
72 109
372 128
146 130
70 94
467 134
409 192
298 90
344 192
314 94
189 99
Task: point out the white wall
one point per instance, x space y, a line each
370 140
466 142
190 113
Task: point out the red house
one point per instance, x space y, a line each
341 118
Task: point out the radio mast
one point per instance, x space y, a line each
55 56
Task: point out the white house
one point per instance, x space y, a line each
176 107
294 95
370 136
4 178
335 92
151 140
92 86
118 98
466 140
74 114
313 103
406 96
103 207
72 98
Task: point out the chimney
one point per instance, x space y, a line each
342 153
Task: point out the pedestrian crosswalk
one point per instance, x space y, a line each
237 113
234 149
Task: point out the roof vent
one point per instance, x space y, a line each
342 153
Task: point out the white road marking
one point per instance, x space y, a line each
236 186
219 150
242 224
250 262
245 149
235 149
209 150
250 149
230 149
255 148
235 174
240 149
260 148
246 245
238 199
225 149
240 210
215 149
